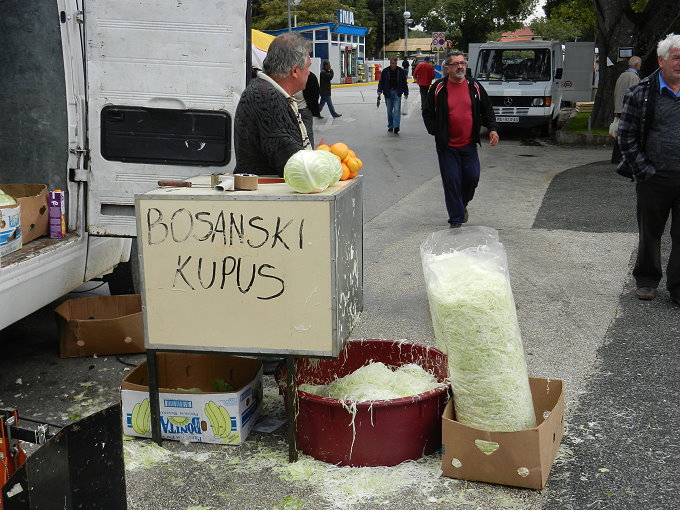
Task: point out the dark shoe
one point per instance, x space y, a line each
465 216
454 225
390 129
318 116
396 131
645 293
338 115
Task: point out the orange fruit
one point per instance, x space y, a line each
345 172
361 163
352 154
323 147
340 150
353 165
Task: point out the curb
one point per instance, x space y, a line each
571 138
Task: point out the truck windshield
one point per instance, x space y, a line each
514 64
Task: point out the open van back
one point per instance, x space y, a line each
163 82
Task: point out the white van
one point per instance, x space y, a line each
529 81
103 99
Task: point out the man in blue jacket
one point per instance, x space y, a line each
393 84
456 108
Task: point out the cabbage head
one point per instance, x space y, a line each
309 171
7 200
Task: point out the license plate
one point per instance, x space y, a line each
507 119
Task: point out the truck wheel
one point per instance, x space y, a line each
124 279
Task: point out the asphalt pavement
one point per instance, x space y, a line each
567 222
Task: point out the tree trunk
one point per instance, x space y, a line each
618 26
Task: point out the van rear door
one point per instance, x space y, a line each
163 81
579 67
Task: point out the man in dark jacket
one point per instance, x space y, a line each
649 129
268 127
327 74
456 108
393 84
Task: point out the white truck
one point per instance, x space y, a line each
528 82
103 99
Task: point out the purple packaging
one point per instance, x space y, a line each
57 215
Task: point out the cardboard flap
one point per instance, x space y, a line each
186 370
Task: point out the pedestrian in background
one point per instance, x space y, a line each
312 94
405 65
393 85
456 108
626 80
424 74
649 130
327 74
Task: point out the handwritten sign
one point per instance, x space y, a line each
256 276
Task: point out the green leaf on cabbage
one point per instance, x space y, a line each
475 324
5 199
309 171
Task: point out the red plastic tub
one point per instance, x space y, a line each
388 432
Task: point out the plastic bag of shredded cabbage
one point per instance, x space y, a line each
475 324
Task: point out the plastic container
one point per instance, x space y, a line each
384 432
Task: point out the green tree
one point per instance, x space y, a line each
567 20
637 24
467 21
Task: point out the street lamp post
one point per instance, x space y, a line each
407 19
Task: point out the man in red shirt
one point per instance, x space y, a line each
456 108
424 74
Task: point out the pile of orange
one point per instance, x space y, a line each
350 163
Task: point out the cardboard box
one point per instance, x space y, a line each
34 213
100 325
207 416
522 458
10 229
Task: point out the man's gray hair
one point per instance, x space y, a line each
634 61
285 52
671 42
454 54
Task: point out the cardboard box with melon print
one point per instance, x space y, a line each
521 458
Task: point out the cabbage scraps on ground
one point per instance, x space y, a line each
475 323
309 171
376 381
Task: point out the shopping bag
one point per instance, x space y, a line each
404 106
614 127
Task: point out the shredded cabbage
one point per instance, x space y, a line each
475 324
8 200
376 381
309 171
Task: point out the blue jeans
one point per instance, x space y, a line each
393 103
459 168
327 100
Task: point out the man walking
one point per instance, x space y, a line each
327 74
424 74
626 80
268 128
393 85
649 130
455 110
